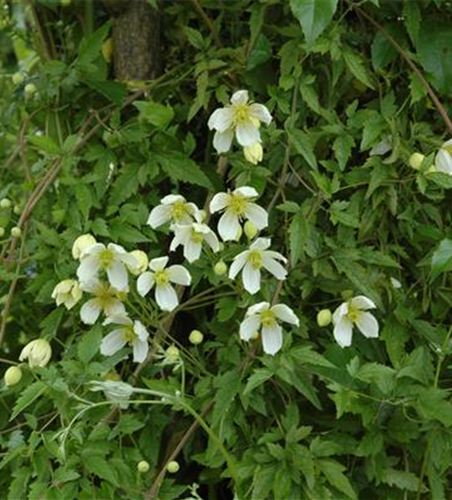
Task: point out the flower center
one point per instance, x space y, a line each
448 149
353 313
267 318
128 333
104 296
161 278
255 257
237 204
106 258
241 114
178 210
197 237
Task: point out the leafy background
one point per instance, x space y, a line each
316 421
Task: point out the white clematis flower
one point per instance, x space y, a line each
253 260
237 205
106 299
354 312
443 160
162 277
128 332
240 118
38 353
264 318
173 208
191 237
111 259
68 293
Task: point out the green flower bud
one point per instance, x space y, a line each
17 209
18 78
250 230
324 317
5 203
143 466
239 233
12 376
30 89
38 352
173 467
415 160
172 354
196 337
220 268
16 232
2 231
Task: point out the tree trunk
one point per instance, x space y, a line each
136 39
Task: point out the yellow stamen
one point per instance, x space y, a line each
178 210
267 318
255 257
241 114
106 258
161 278
197 237
237 204
128 333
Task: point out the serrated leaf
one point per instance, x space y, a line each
257 378
181 168
333 471
313 15
342 147
155 113
299 234
303 145
355 63
44 143
442 258
30 394
88 345
101 468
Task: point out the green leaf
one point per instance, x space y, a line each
30 394
88 346
401 479
260 376
181 168
442 259
303 145
101 468
299 234
158 114
333 471
44 143
90 48
305 354
342 147
313 15
228 386
261 53
355 63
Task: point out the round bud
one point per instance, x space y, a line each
220 268
17 209
239 233
81 244
250 230
324 317
2 231
415 160
141 264
143 466
203 215
12 376
172 354
16 232
30 89
196 337
173 467
18 78
5 203
253 153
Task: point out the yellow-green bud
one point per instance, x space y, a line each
30 89
2 231
143 466
5 203
81 244
12 376
239 233
220 268
254 153
16 232
250 230
18 78
142 262
173 467
203 215
415 160
172 354
38 352
17 209
196 337
324 317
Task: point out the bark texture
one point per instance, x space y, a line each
136 39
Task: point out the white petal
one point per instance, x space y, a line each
239 262
260 112
169 199
343 332
272 339
88 269
113 342
247 133
219 202
158 264
251 279
276 256
144 283
229 226
90 311
179 275
362 302
261 244
222 141
340 312
221 119
114 308
192 251
285 313
258 308
367 325
166 297
94 249
140 350
274 267
117 275
249 327
240 97
257 215
246 192
140 330
443 162
212 241
118 319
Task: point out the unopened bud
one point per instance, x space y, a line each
5 203
172 354
239 233
203 215
324 317
18 78
173 467
196 337
2 232
38 353
143 466
220 268
16 232
81 244
416 160
142 262
30 89
254 153
12 376
250 230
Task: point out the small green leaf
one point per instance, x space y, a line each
303 145
88 346
313 15
158 114
442 259
30 394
